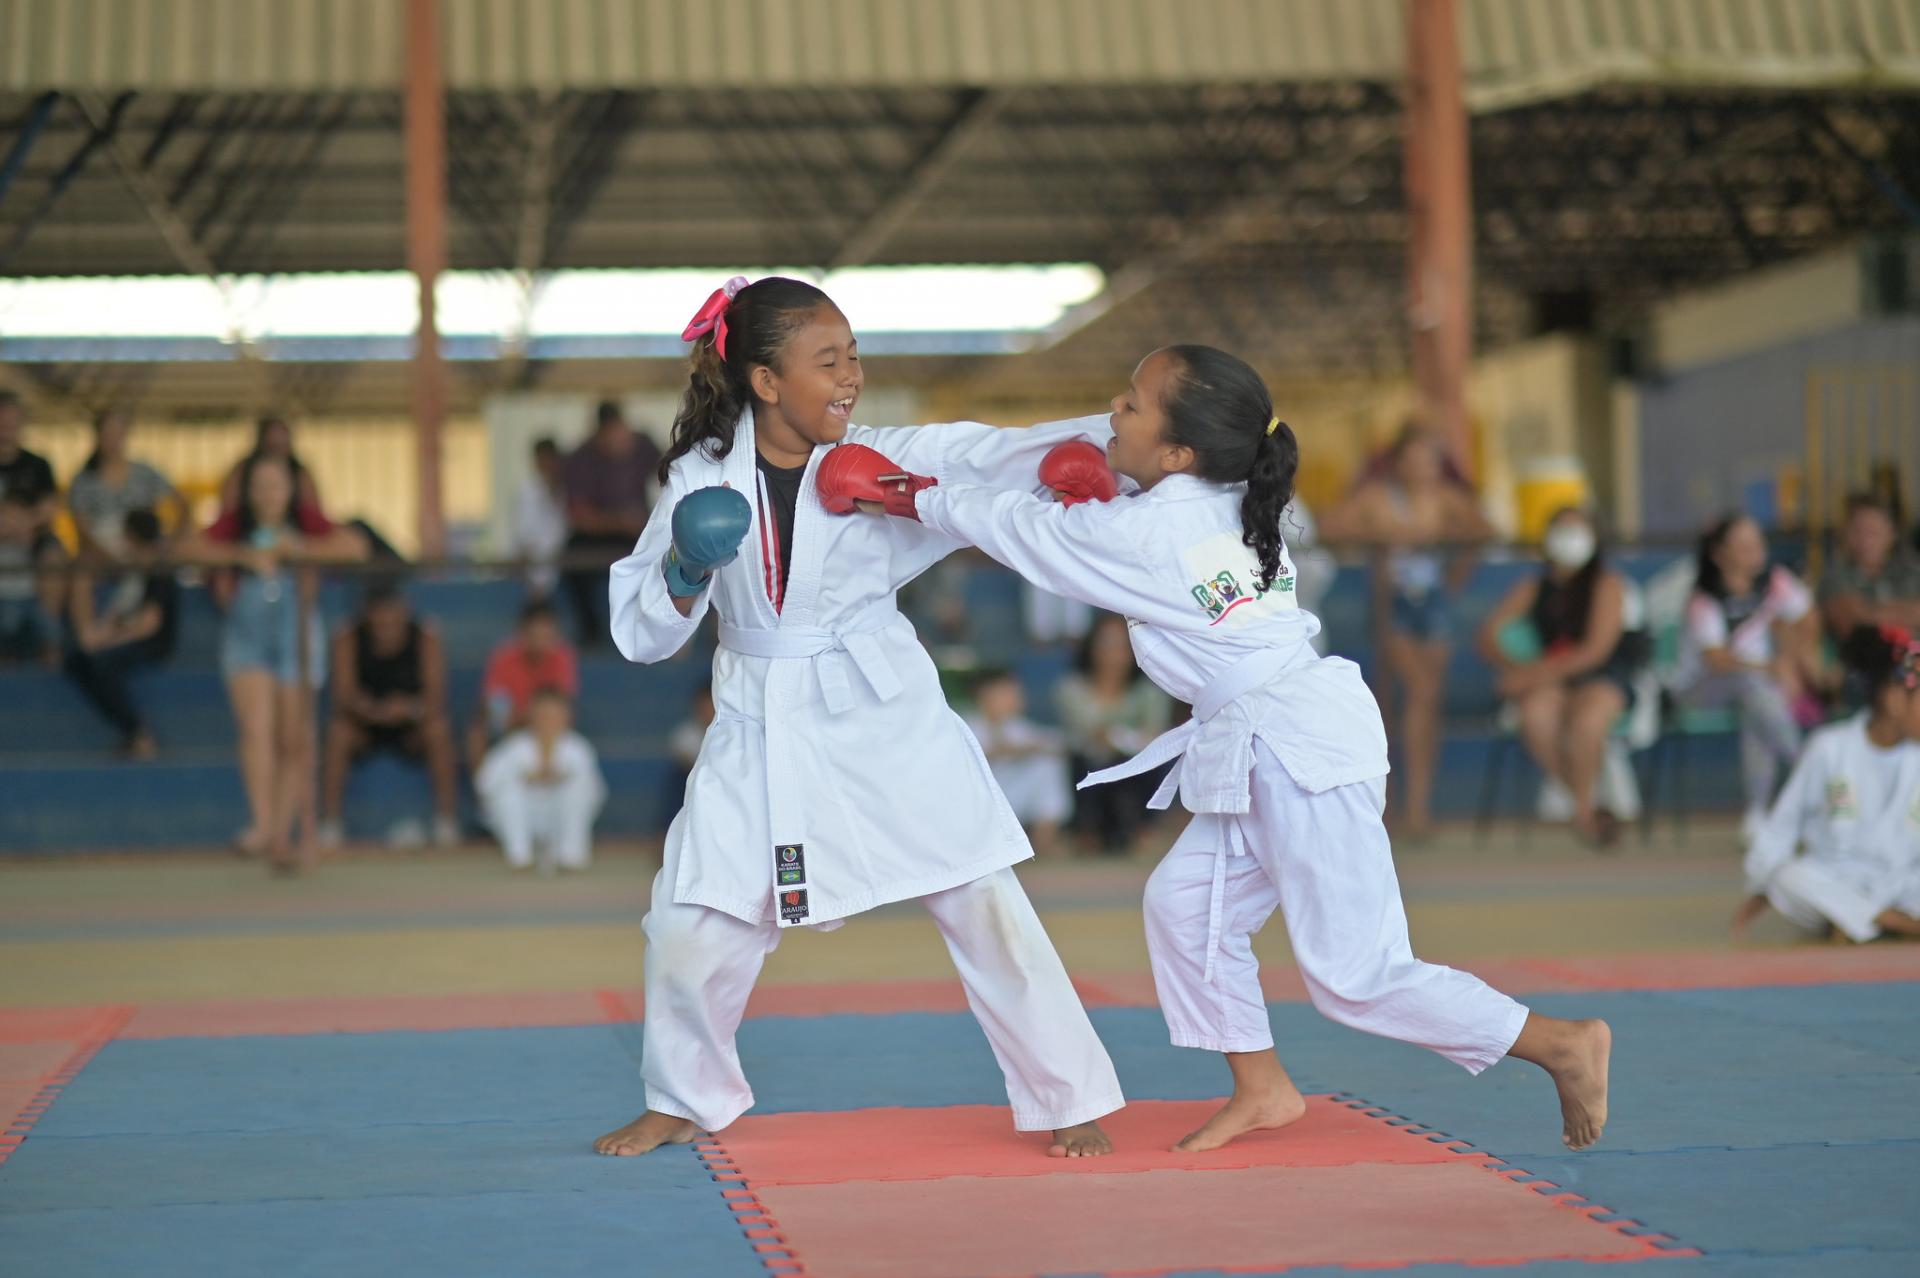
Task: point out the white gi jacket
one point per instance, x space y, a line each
1172 561
835 777
1853 807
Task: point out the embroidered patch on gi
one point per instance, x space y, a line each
793 905
1227 576
1841 803
790 863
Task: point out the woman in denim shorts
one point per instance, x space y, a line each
271 542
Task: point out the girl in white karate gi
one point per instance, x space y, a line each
1283 763
1852 808
834 777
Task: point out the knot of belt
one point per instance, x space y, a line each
831 651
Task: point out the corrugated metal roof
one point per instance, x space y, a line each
1514 50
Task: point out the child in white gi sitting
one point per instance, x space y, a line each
542 784
1852 808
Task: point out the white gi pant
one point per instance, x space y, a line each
1325 862
560 817
702 963
1814 893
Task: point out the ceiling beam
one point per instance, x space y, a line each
977 114
102 127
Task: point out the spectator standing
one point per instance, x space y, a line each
539 533
1414 497
608 480
271 662
29 499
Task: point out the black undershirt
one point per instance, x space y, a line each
783 488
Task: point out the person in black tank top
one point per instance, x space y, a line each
1566 661
389 693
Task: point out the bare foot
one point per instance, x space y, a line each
647 1133
1082 1140
1580 1076
1243 1113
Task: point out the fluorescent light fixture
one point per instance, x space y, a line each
615 303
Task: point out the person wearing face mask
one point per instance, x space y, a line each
1578 684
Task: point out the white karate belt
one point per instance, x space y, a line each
1225 795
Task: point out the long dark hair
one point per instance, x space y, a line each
1707 575
1221 409
266 422
764 316
247 520
1572 602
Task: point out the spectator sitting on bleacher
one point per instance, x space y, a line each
111 485
542 784
390 693
30 606
1408 499
1873 582
1110 710
1569 672
26 632
1851 809
135 628
536 655
1028 761
539 532
267 546
1751 643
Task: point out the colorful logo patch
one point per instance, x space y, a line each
793 905
1841 803
789 864
1228 576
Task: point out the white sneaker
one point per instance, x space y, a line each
407 834
327 835
446 832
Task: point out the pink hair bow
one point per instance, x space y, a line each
712 315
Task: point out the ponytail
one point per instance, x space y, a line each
1222 411
1276 460
754 329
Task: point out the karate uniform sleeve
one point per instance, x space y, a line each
1086 552
646 626
990 456
1798 804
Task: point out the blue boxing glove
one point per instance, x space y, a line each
708 527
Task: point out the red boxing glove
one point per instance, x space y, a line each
1077 472
854 473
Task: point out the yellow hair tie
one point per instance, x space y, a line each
1273 425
